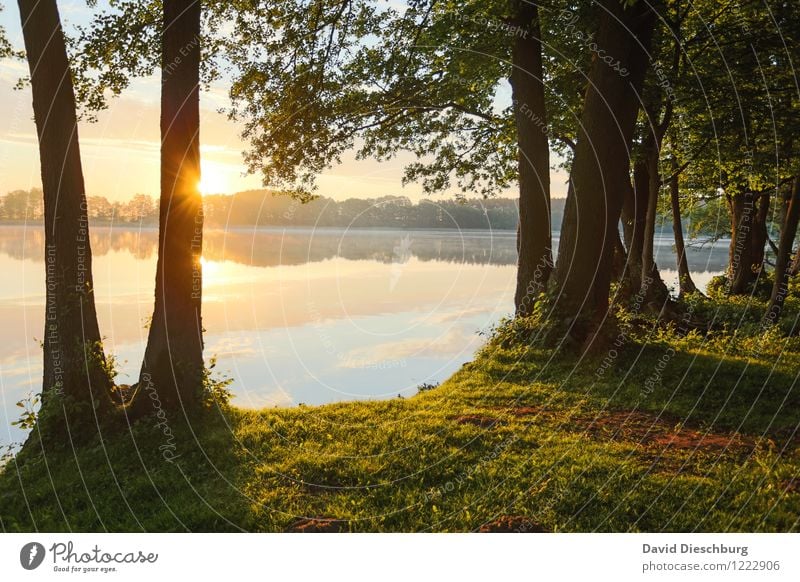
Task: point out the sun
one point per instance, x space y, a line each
212 180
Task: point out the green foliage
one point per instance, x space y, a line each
761 289
6 50
7 454
706 218
737 106
215 386
310 81
97 359
130 48
421 78
28 417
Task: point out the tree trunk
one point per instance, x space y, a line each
749 213
794 268
634 219
171 374
535 261
618 260
685 282
653 188
639 211
653 289
74 363
600 168
782 262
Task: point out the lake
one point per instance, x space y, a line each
293 315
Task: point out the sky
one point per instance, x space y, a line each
120 151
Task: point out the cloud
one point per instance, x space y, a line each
454 315
455 342
231 346
19 138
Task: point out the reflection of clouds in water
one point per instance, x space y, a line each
232 346
272 300
21 384
12 358
32 300
454 342
17 369
455 315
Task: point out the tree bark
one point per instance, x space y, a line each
172 370
535 261
749 213
600 168
685 282
618 260
794 268
656 288
634 219
74 363
783 265
639 212
656 291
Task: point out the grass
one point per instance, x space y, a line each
672 431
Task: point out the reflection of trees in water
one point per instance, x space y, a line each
142 244
27 242
269 248
291 248
272 248
22 242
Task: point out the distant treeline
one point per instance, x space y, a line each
263 208
27 205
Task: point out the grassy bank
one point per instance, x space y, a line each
669 430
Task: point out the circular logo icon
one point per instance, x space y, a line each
31 555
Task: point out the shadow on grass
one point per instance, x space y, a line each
709 391
168 477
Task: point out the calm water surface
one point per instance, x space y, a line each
292 315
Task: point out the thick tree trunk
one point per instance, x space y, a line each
535 261
749 212
600 168
172 370
686 285
74 364
782 262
